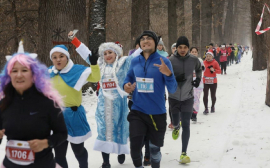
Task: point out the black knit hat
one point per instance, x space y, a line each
182 40
150 34
211 44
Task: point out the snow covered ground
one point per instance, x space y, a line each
236 136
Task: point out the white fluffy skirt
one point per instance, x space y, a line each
111 147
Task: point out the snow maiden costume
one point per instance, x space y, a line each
112 108
69 82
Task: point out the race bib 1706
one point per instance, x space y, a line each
19 152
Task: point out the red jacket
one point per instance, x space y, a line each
207 72
223 55
229 50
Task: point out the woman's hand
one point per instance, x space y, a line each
38 145
2 133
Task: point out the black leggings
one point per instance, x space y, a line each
223 66
213 89
146 139
79 151
182 111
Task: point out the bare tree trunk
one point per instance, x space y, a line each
172 24
267 99
56 19
139 18
180 7
235 21
196 9
260 49
206 21
229 23
215 21
97 27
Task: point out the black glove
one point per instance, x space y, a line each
203 68
181 78
196 82
211 66
94 57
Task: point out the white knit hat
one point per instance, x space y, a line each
210 53
59 48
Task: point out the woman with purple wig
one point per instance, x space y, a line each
30 109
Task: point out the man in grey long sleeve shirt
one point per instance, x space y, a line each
181 102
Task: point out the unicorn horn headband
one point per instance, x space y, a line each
21 51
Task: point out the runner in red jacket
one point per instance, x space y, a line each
210 81
223 59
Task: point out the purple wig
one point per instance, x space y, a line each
40 73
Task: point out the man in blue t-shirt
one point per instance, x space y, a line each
147 77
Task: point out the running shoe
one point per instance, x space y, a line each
170 126
212 109
106 165
184 158
175 133
194 117
205 112
121 158
147 162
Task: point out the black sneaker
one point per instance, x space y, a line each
212 109
106 165
194 117
205 112
121 158
147 162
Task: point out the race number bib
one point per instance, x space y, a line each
209 80
145 85
19 152
224 54
108 84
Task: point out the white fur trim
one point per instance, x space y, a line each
82 79
79 139
111 147
137 52
83 51
67 68
110 45
59 49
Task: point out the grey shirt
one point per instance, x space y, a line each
187 65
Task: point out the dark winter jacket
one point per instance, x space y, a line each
33 116
185 65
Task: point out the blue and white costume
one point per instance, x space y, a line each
112 108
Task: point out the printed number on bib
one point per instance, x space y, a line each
19 152
209 80
145 85
108 84
224 55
